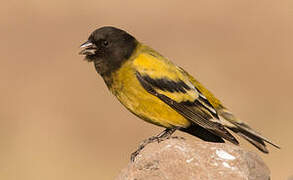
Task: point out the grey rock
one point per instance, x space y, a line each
193 159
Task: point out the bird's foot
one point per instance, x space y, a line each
177 137
166 134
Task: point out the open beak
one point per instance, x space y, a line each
88 48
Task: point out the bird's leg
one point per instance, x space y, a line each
159 138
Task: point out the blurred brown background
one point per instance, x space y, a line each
58 120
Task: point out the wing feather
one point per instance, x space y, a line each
175 87
191 108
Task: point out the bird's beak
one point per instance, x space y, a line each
88 48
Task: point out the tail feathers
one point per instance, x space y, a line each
246 132
254 140
245 128
224 133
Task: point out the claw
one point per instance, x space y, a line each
166 134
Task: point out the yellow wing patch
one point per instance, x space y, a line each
179 96
157 67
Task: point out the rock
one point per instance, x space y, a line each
191 159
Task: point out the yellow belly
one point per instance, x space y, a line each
135 98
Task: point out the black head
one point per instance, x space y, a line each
108 47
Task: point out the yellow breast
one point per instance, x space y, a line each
135 98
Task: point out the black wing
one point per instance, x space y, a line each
197 111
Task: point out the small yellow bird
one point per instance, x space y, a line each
157 91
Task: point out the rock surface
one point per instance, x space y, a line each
177 159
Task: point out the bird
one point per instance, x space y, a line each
156 90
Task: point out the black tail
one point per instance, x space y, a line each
245 131
254 140
252 136
202 133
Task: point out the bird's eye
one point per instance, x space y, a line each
105 43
